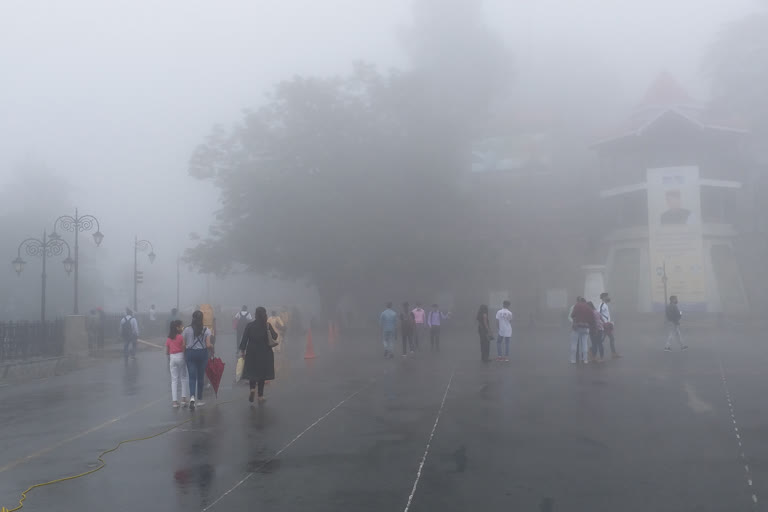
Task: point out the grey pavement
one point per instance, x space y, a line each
348 431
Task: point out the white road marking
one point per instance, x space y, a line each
290 443
736 428
429 442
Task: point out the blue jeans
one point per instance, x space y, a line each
197 360
129 347
388 339
506 340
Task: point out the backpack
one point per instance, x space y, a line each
242 321
126 330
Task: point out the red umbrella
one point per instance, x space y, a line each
214 371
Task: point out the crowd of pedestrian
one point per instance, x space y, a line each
413 326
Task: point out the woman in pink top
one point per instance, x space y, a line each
174 348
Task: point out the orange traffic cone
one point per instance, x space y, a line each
309 353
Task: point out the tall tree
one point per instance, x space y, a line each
352 182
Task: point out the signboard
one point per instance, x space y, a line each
675 237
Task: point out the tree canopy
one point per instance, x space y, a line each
351 182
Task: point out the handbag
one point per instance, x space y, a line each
271 341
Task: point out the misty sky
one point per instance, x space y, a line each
116 93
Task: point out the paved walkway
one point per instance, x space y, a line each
352 431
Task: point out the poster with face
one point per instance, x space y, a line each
675 237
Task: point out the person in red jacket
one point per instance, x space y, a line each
582 318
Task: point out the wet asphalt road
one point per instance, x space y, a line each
652 431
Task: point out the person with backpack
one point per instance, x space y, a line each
673 324
434 319
198 349
129 333
241 321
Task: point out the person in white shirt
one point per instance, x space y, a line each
605 315
504 318
152 313
241 321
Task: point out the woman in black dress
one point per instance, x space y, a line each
256 349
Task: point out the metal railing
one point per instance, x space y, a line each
24 340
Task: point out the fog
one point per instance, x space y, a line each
103 105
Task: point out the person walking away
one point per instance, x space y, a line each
241 321
256 349
407 327
129 333
673 324
605 313
388 327
197 342
596 334
484 331
420 324
582 318
174 348
504 318
434 320
277 324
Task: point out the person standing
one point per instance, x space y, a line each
596 334
241 321
197 341
582 318
388 327
407 328
277 324
434 320
484 331
174 348
420 324
504 318
129 333
256 348
673 324
605 313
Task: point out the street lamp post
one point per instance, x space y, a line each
44 248
140 245
77 224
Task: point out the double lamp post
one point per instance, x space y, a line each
54 245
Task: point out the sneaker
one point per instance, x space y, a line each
251 396
192 404
616 356
175 405
573 362
684 347
506 359
499 358
184 404
200 403
405 355
667 349
586 362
